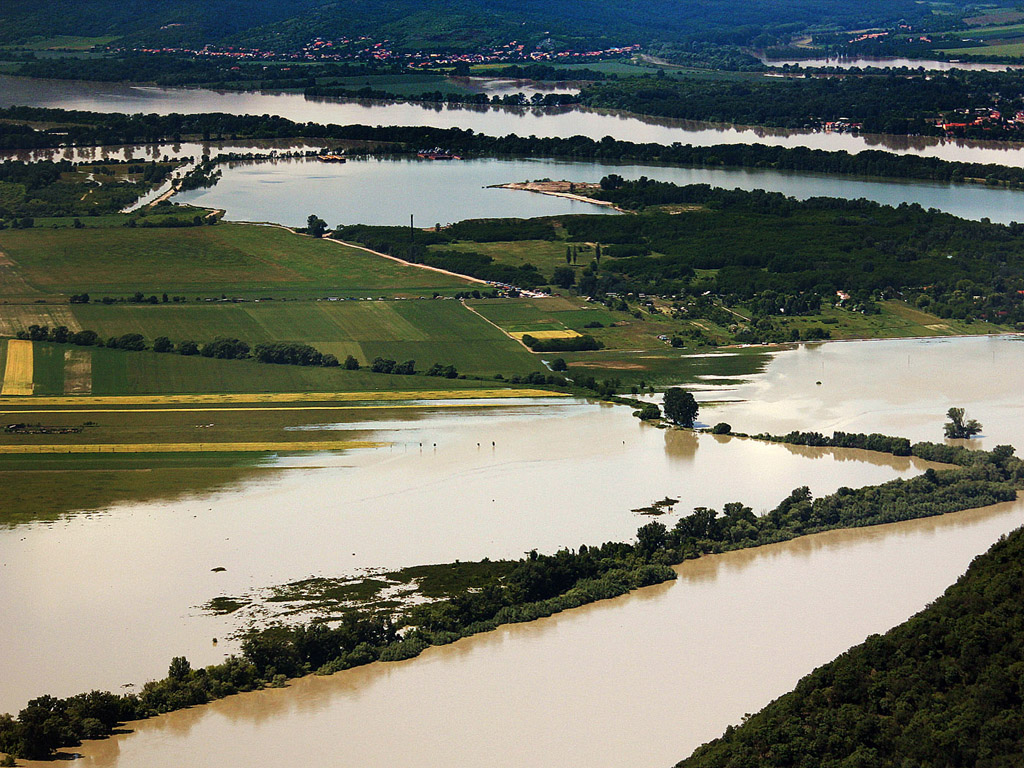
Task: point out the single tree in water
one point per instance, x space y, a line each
680 407
956 427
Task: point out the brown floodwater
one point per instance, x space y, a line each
108 598
640 680
116 593
897 387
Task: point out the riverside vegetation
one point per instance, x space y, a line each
19 129
485 595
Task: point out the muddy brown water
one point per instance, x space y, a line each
116 593
641 680
107 598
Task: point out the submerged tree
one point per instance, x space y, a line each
957 428
680 407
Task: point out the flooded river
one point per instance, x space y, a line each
439 492
387 191
888 386
106 599
894 62
637 681
116 97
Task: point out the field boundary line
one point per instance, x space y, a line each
270 447
458 275
284 397
520 342
243 409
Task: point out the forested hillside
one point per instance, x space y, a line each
944 689
447 24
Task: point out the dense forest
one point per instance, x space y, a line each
943 689
740 244
773 255
93 128
904 104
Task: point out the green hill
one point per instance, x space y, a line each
448 24
944 689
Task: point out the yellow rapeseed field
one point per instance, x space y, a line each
280 397
565 334
19 369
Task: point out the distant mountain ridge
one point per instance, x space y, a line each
441 24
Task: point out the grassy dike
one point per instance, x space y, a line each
485 595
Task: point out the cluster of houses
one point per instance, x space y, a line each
981 116
367 49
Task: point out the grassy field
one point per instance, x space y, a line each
234 259
1012 50
428 331
64 43
115 372
543 254
399 84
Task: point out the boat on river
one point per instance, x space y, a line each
437 154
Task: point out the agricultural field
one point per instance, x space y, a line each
236 259
1010 50
64 43
61 369
45 487
427 331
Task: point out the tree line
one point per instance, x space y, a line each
902 104
803 251
92 128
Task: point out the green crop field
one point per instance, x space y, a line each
428 331
1014 50
399 84
242 260
64 43
524 315
116 372
993 32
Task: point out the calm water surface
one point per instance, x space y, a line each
114 97
893 387
844 62
386 191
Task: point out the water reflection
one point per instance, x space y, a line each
114 97
386 191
